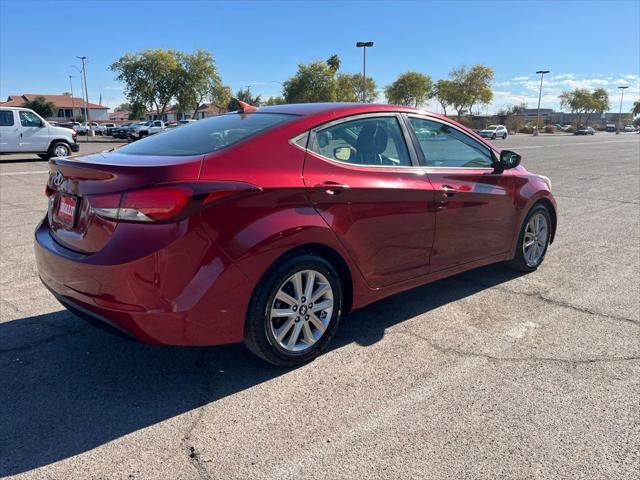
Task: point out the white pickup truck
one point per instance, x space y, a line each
151 128
24 131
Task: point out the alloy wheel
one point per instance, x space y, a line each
536 235
61 151
301 310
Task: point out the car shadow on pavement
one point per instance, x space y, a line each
67 387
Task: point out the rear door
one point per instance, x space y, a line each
9 132
34 133
476 213
363 178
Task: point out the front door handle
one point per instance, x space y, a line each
332 188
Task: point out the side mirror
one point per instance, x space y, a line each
342 153
508 159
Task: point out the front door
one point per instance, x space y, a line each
476 214
34 133
363 180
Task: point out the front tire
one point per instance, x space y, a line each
493 137
504 136
59 149
533 241
294 311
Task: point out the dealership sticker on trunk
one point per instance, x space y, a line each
67 210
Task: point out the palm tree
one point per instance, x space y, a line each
636 108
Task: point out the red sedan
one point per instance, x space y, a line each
267 226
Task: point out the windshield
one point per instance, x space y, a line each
492 127
207 135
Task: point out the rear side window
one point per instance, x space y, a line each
6 118
207 135
376 141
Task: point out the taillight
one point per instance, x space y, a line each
163 204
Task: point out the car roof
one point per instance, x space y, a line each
15 108
308 109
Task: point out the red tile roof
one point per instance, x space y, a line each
60 101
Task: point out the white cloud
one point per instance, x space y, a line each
519 79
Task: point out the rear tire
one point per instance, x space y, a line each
283 326
533 241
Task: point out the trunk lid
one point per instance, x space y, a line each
72 220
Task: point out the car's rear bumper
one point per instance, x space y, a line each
185 293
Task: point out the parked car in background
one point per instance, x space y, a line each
72 125
121 131
585 130
610 127
629 128
152 128
266 226
103 128
84 127
24 131
108 127
171 124
494 131
132 131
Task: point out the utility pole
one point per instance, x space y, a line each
86 98
364 46
73 104
541 73
622 89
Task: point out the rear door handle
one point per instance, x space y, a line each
332 188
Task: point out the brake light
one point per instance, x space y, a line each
162 204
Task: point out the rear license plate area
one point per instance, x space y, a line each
66 212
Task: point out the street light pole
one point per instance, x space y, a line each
541 73
86 98
364 46
73 104
622 89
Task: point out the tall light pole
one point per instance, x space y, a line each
622 89
541 73
73 104
86 98
364 46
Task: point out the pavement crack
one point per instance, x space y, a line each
530 358
194 456
44 341
577 197
559 303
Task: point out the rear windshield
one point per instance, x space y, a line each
207 135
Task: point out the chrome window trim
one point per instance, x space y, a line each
437 120
413 158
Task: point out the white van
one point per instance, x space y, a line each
24 131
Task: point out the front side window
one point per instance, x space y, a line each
376 141
445 146
205 136
6 118
29 119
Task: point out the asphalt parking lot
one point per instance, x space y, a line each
488 374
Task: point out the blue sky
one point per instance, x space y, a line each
586 44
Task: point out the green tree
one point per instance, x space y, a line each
313 82
334 62
41 107
635 111
471 87
274 101
583 102
137 111
123 107
445 92
349 88
410 88
221 95
197 78
151 77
